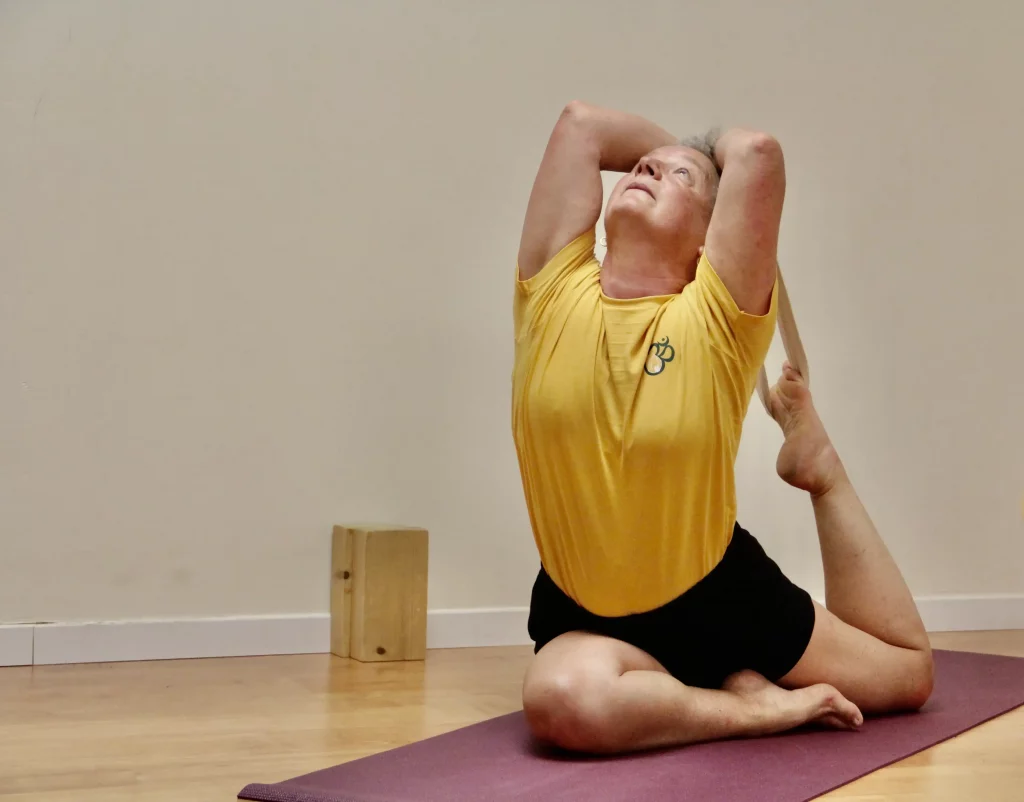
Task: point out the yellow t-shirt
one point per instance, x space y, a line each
627 417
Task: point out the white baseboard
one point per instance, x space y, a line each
972 613
113 641
483 626
118 641
16 645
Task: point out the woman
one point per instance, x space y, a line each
658 620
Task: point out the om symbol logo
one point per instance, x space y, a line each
658 355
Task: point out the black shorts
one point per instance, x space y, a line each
745 614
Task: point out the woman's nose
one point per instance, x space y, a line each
648 167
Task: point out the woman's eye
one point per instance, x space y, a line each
683 171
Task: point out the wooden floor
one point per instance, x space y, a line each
201 729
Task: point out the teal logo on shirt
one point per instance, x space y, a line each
658 355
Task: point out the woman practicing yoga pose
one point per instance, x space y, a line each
658 619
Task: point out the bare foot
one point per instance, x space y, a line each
777 710
807 460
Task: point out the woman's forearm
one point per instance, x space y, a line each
622 139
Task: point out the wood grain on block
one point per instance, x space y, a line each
341 591
388 592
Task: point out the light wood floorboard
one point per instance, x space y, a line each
201 729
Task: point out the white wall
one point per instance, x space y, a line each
257 261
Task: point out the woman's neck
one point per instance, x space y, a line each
636 268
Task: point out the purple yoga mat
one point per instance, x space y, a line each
496 760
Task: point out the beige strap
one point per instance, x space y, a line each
790 343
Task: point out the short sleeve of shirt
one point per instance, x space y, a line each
740 340
535 296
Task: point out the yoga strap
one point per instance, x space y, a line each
790 342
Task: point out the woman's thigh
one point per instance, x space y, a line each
874 675
586 656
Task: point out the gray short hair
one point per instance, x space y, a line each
705 143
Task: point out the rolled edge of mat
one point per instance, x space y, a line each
259 792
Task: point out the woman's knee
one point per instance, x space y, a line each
920 680
912 678
568 709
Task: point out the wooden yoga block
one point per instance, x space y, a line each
379 592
